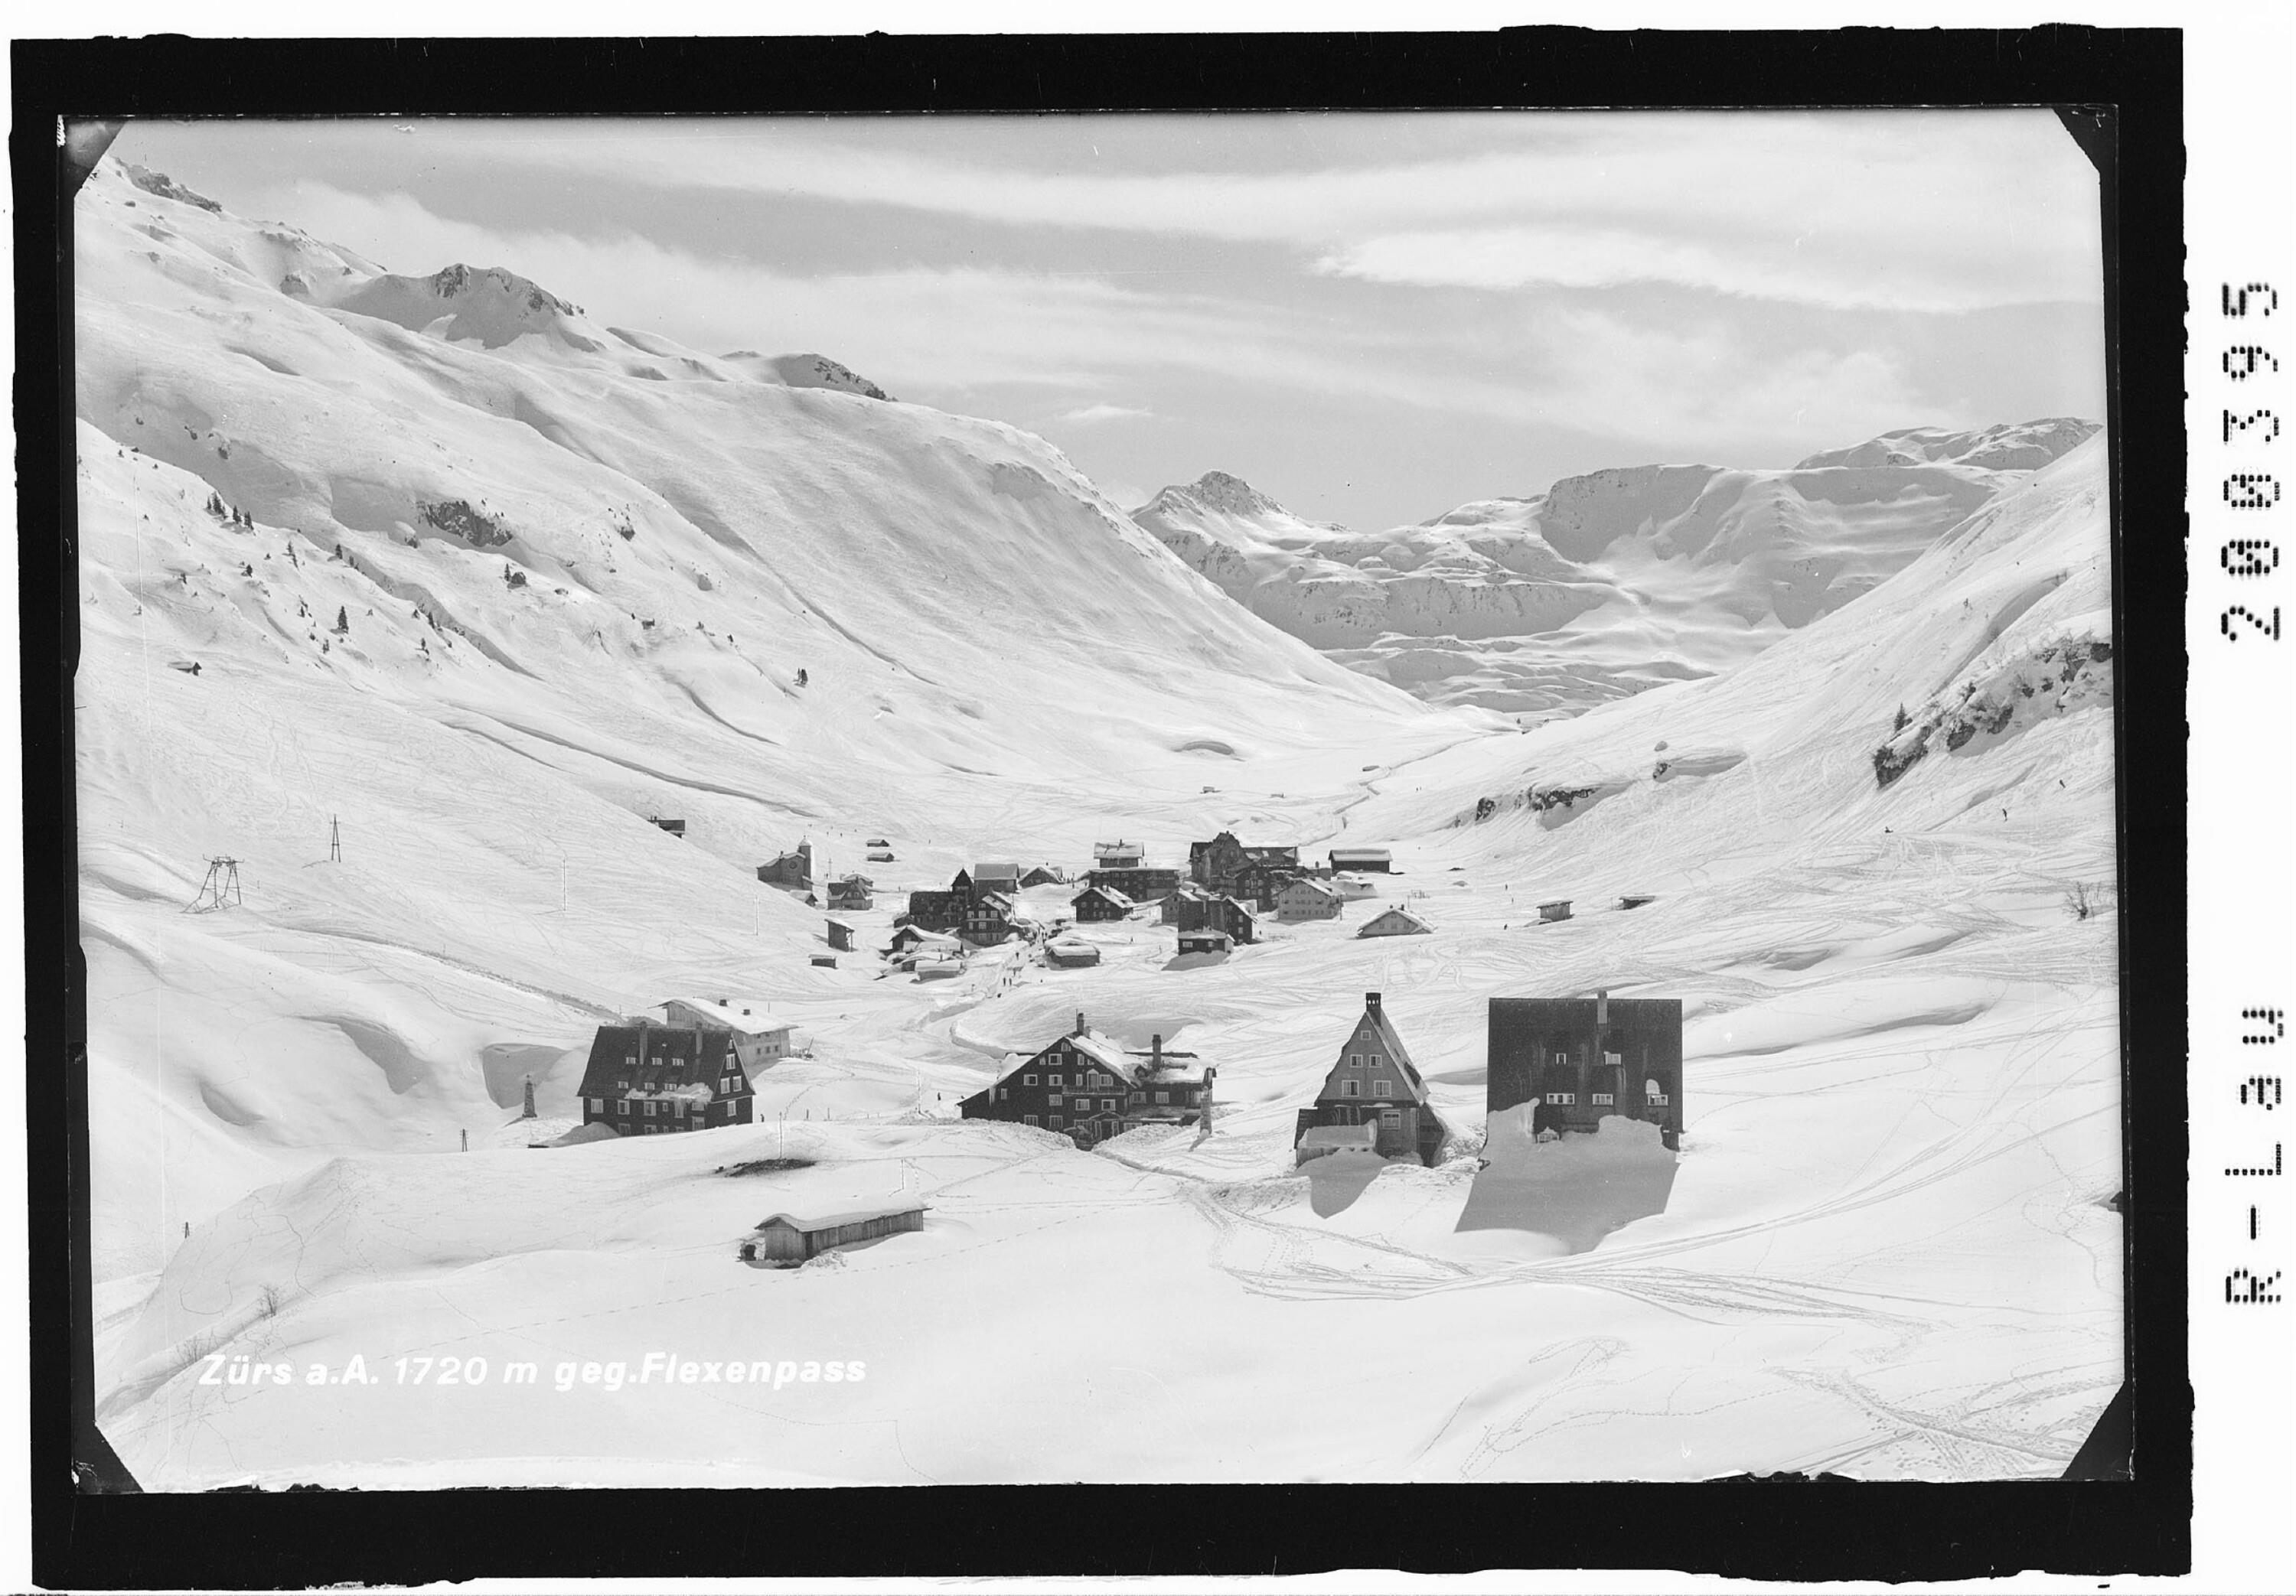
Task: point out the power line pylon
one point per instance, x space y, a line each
220 888
334 839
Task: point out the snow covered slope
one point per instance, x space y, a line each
508 585
1607 584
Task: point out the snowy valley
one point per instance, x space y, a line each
495 589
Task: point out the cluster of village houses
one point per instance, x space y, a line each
1575 1060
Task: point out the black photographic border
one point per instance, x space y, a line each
2119 91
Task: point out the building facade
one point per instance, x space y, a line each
1140 883
1374 1083
1117 856
1088 1088
1100 904
647 1080
1360 859
761 1038
1581 1057
1305 899
792 869
1214 864
1394 923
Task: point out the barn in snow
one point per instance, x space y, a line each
1582 1058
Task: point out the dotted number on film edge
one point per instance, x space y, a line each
2249 557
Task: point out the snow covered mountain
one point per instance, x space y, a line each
508 585
1607 584
497 607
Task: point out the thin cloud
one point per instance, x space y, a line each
1093 415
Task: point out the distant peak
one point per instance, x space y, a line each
1216 490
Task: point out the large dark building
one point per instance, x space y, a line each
1089 1088
647 1079
1215 864
1581 1057
1142 884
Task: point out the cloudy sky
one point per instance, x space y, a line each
1372 317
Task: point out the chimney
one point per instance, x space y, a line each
1601 1005
1156 1051
1371 1002
642 1039
1079 1030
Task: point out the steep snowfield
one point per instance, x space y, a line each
1608 584
1885 1250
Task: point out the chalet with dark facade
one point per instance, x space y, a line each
1215 913
645 1080
1100 904
944 910
1374 1083
1360 859
1581 1057
1042 875
1215 864
1117 856
851 892
1140 883
1260 885
1089 1088
1174 910
988 920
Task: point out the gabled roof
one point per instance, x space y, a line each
1121 900
996 870
1388 916
1361 853
1308 883
673 1058
1343 1137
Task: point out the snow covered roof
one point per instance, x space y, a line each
996 870
1343 1136
1394 923
823 1219
1304 884
750 1016
1361 853
1121 899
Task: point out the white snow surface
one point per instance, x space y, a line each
1886 1246
1607 584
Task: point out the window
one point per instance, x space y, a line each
1603 1099
597 1105
1614 1060
1054 1122
1028 1080
1563 1099
1108 1104
1372 1059
649 1109
1051 1080
1054 1101
1355 1061
1657 1100
1350 1088
1383 1088
1163 1097
1028 1119
1562 1059
630 1062
622 1107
